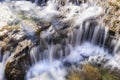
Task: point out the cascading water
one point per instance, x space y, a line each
86 42
86 39
2 65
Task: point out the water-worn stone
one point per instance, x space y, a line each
17 65
34 25
111 18
85 72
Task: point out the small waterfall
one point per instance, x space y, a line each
36 1
117 49
85 37
2 65
87 40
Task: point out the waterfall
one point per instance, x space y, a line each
75 36
86 41
2 65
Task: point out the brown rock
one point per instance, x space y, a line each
85 72
91 73
16 65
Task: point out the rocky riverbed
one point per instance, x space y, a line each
59 40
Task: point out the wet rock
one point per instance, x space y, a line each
85 72
76 75
114 2
111 18
16 35
3 47
36 26
111 75
7 27
3 34
99 60
91 73
17 63
29 27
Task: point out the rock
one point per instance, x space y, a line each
29 27
3 34
17 35
109 75
3 47
85 72
17 63
7 27
91 73
2 44
99 60
114 2
111 14
25 25
76 75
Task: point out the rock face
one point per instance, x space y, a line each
111 18
16 42
21 34
16 65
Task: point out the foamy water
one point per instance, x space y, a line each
88 44
86 33
2 65
78 55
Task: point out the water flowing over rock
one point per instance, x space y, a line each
57 40
14 67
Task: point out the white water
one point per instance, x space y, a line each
2 65
46 71
87 41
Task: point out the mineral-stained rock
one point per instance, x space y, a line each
109 75
112 13
10 27
29 27
3 34
3 46
86 72
45 27
91 73
16 65
114 2
16 35
76 75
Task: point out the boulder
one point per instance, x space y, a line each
17 63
